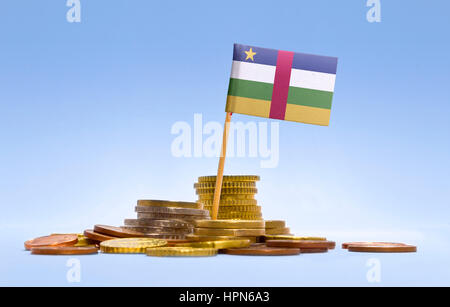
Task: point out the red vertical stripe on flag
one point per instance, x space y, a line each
281 84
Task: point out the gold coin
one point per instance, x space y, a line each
278 231
275 224
229 178
290 237
199 238
229 224
231 184
130 245
229 197
84 241
181 252
230 191
167 203
240 216
229 232
230 209
217 244
230 202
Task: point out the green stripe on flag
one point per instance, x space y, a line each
250 89
310 98
297 95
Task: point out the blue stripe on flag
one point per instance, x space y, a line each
262 56
303 61
315 63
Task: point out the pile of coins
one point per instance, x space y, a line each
217 230
237 200
185 229
165 219
277 227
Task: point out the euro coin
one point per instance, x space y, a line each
170 210
278 231
52 240
229 224
181 252
290 237
64 250
229 197
166 216
130 245
346 245
262 250
228 232
228 178
174 242
157 223
275 224
313 250
228 191
164 230
165 236
116 231
230 184
230 202
84 241
199 238
380 247
218 244
169 204
95 236
235 209
239 216
302 244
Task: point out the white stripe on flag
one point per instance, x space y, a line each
312 80
253 72
299 78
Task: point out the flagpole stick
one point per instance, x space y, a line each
219 178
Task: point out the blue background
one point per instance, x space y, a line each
87 109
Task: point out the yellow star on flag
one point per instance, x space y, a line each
250 54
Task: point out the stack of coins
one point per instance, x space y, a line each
165 219
277 227
218 230
237 200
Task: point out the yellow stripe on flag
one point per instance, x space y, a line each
307 115
248 106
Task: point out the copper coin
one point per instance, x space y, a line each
64 250
97 236
346 245
383 248
117 231
52 240
313 250
301 244
262 250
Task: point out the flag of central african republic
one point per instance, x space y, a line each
281 85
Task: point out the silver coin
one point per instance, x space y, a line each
157 223
183 211
161 230
165 216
